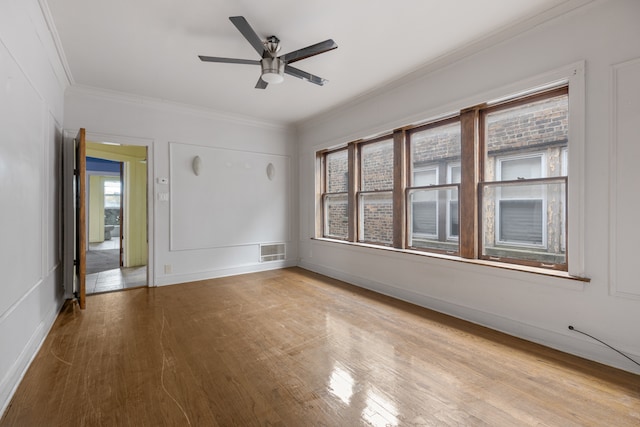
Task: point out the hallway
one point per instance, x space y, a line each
116 279
103 274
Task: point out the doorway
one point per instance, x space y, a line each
116 229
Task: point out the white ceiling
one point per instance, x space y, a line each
150 47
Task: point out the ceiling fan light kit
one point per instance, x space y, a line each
274 67
272 70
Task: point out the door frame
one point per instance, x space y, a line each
68 234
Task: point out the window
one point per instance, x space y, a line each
112 194
336 175
489 183
524 189
432 204
375 197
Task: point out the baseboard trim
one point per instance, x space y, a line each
175 279
17 371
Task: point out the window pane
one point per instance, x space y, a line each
424 218
337 171
454 218
438 144
376 218
424 177
520 221
433 219
377 166
336 218
539 126
525 228
453 175
523 168
529 167
112 194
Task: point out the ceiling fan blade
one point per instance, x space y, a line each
243 26
308 51
304 75
228 60
261 84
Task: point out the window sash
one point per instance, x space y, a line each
374 148
375 207
544 220
332 160
434 201
332 213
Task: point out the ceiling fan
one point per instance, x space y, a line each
274 67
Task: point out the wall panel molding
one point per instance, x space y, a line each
623 179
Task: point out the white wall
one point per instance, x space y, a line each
32 84
603 34
175 135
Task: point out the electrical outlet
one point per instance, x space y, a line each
167 269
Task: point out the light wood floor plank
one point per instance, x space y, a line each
293 348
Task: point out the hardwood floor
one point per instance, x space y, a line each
293 348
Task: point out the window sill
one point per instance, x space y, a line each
578 281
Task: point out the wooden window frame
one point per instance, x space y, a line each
473 156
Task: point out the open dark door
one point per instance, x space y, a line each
81 217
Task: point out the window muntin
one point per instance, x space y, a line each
375 195
335 221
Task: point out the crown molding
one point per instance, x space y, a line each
172 106
53 31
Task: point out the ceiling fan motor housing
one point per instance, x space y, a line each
272 70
